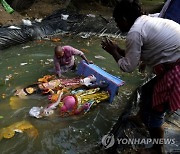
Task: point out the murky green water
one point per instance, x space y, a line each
77 134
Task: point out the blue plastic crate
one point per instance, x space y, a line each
113 82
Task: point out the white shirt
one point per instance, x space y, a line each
153 40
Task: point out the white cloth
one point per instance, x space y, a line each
152 40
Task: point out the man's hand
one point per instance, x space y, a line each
109 46
112 48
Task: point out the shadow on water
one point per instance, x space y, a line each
22 65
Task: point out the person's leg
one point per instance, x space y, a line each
154 121
151 118
146 92
157 133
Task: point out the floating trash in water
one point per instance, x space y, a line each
36 112
85 36
50 60
26 47
3 96
104 68
88 43
99 57
9 67
22 64
91 15
8 77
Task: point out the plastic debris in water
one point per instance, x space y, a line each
8 77
50 60
3 96
36 112
9 67
99 57
39 112
26 47
91 15
85 36
22 64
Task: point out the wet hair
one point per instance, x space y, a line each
128 10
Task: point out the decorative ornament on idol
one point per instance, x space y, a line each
69 103
84 108
88 80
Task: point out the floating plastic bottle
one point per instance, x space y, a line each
6 6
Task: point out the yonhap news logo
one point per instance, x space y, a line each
108 141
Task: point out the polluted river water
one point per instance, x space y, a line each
22 65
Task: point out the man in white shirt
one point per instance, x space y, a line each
155 42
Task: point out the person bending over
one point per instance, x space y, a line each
156 42
64 58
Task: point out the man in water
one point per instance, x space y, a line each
156 42
64 58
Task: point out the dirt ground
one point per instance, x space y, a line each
39 9
43 8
